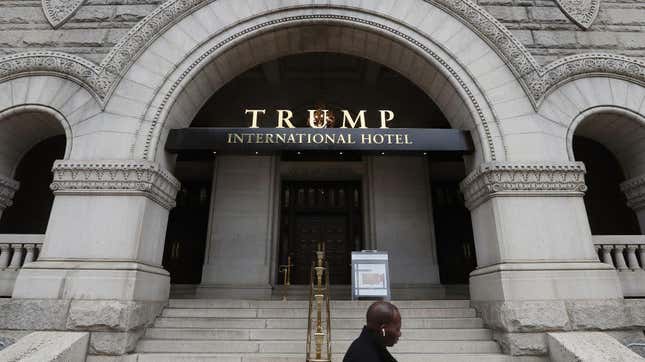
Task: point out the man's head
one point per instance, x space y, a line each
384 319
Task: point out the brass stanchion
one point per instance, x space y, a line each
286 270
319 299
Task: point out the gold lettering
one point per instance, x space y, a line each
386 116
280 138
350 140
353 122
389 138
378 139
234 138
407 142
284 117
249 137
341 139
254 119
300 137
318 140
330 138
291 139
259 138
399 139
366 138
268 138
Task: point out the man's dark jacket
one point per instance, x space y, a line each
367 348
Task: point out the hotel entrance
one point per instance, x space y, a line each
320 214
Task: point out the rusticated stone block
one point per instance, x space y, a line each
34 314
527 316
587 346
111 315
522 344
635 309
114 343
603 314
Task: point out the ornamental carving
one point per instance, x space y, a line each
581 12
634 190
536 80
8 188
58 12
509 179
116 178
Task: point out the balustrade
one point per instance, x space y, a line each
626 254
18 249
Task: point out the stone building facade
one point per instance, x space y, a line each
525 78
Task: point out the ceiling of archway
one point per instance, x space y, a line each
335 81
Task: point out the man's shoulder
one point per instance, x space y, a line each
361 350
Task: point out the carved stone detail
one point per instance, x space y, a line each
8 188
634 190
581 12
58 12
121 177
537 80
519 179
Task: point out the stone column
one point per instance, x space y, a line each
100 266
634 190
239 249
537 267
8 188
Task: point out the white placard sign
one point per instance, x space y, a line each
370 275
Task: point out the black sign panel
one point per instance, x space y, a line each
249 140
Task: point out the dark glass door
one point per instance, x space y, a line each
186 234
454 233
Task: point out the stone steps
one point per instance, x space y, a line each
297 334
271 330
260 357
291 347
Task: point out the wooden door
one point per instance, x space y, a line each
320 212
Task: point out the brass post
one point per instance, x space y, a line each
286 280
319 296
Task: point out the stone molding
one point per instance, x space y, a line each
537 81
581 12
523 179
120 177
8 188
58 12
634 190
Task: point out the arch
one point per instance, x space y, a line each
413 51
61 106
24 126
591 101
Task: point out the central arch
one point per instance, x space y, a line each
187 79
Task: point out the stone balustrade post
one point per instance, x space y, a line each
99 268
30 251
632 261
606 255
4 255
8 188
16 258
641 255
619 257
535 254
634 190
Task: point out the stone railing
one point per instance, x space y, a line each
626 253
15 251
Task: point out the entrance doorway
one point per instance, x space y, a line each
325 213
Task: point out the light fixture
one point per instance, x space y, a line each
340 153
382 153
256 152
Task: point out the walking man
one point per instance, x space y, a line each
382 330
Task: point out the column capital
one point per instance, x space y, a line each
115 177
8 188
496 179
634 190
